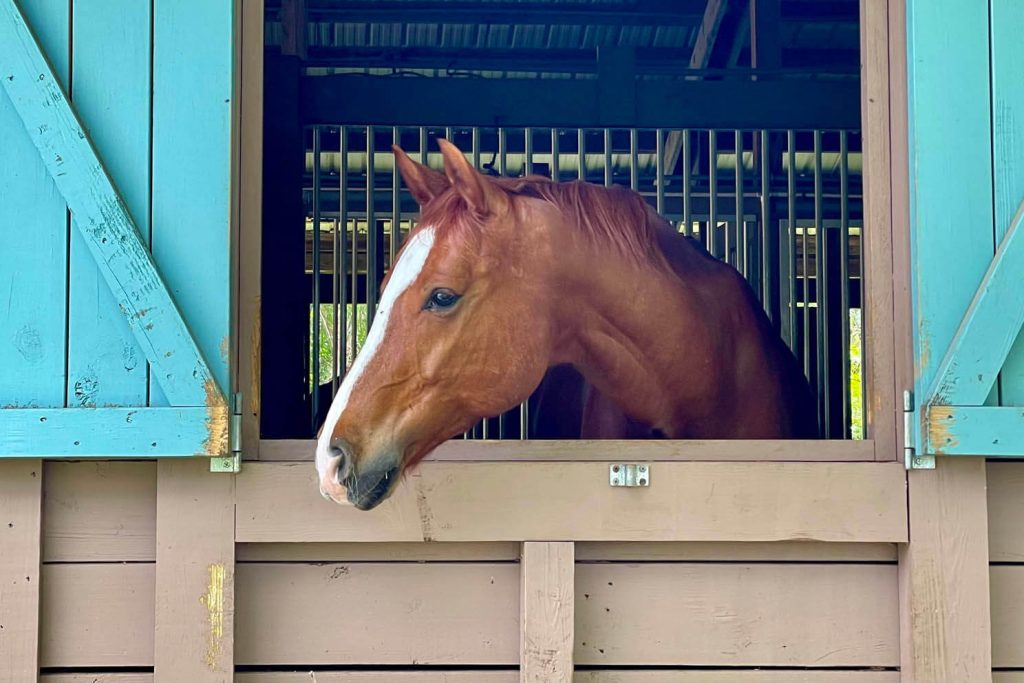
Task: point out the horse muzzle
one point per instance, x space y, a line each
363 485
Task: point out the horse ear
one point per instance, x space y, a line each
478 192
423 182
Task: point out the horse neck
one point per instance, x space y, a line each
626 326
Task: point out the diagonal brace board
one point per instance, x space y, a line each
112 237
988 329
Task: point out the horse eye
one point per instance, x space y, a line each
441 300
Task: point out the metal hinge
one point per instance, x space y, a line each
232 463
622 474
912 458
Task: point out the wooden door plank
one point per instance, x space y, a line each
975 430
547 612
192 169
944 576
195 573
106 367
21 494
1005 511
99 211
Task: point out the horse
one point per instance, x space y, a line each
635 330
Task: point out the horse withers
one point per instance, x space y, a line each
505 279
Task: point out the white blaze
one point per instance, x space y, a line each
410 264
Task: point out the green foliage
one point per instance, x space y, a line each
357 328
856 375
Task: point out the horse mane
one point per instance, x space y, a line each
611 217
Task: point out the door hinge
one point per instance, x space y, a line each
232 462
631 475
913 459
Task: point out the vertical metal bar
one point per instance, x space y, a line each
316 278
341 264
354 260
687 189
713 241
659 170
741 242
524 408
634 160
609 171
476 148
554 155
371 230
844 275
821 281
581 154
791 274
767 295
528 152
502 152
396 202
423 145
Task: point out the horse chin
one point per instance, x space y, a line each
372 487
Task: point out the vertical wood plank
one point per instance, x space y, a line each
881 412
547 612
195 573
21 495
33 243
192 110
111 92
250 239
944 576
951 193
1007 16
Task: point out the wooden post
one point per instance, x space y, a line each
547 612
21 495
195 573
944 576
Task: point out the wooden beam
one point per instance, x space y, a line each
687 501
988 329
21 496
113 432
293 28
547 612
974 430
195 574
101 216
944 577
708 33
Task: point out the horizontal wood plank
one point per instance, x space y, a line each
377 552
337 614
99 511
97 678
97 615
1005 511
380 677
858 502
288 450
111 432
1007 583
976 430
740 676
678 676
737 615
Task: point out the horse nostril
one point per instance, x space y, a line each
339 449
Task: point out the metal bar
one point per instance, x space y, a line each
687 189
554 155
634 161
502 151
341 265
316 279
371 231
821 317
767 294
659 172
396 202
790 260
609 172
844 275
712 239
741 259
354 254
476 147
528 151
581 154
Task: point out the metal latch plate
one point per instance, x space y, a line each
629 474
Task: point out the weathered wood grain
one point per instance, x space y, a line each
195 570
378 552
99 512
111 94
737 615
430 614
944 576
740 676
20 530
1005 482
97 615
547 612
112 237
976 430
860 502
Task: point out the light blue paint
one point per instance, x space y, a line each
112 238
103 432
192 109
111 93
989 328
983 430
1008 148
33 245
